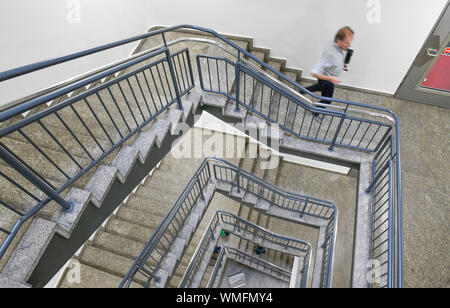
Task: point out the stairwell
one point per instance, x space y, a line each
107 256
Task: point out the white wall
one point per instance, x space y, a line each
37 30
296 30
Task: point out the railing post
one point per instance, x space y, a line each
200 188
174 79
35 180
391 238
237 179
237 83
333 142
212 233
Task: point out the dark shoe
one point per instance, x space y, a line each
317 117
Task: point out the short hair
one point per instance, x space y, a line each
342 33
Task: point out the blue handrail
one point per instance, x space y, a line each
230 219
179 208
10 74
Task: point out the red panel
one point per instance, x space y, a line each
439 76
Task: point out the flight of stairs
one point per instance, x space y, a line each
134 222
245 237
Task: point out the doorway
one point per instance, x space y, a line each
428 79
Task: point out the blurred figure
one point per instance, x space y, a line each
334 59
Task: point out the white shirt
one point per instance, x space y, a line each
331 62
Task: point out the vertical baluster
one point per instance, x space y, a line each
143 95
35 180
177 92
118 108
156 86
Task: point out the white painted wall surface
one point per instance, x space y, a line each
37 30
298 30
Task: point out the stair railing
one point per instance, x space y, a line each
118 120
303 205
372 132
160 243
254 262
172 223
235 225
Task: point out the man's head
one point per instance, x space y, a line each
344 37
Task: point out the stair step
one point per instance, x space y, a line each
157 183
214 100
263 205
101 181
129 230
119 245
31 246
148 205
93 278
177 179
173 164
40 164
14 196
109 262
140 218
36 133
70 118
175 281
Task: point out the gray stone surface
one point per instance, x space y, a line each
108 262
100 183
125 160
254 279
8 283
25 257
66 222
424 148
94 278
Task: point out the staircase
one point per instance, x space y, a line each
92 135
245 237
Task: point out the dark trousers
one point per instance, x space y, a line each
325 87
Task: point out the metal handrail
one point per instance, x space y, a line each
235 253
205 166
37 100
80 77
224 218
48 63
301 200
288 241
35 178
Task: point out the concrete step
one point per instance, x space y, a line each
140 218
111 119
177 179
36 133
109 262
93 278
118 245
175 281
14 196
172 164
161 190
130 230
148 205
158 181
40 164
